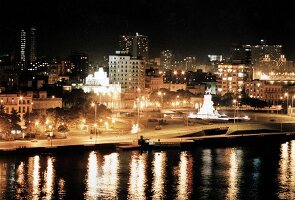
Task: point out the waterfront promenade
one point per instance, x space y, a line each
174 131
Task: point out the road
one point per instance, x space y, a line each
169 132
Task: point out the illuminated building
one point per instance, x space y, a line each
21 104
240 54
33 56
126 70
28 51
190 63
175 76
231 78
135 45
215 58
279 69
42 102
23 46
166 59
80 66
269 91
108 94
259 51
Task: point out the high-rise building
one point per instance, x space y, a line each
127 70
190 63
231 78
23 45
28 50
259 51
80 66
240 54
135 45
33 56
166 59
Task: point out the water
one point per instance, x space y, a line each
247 172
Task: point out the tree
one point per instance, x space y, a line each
31 119
253 102
227 99
15 119
4 121
62 128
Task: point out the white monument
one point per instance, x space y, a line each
207 111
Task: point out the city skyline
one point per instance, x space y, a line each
188 28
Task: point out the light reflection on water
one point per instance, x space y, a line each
49 179
20 173
102 178
184 187
36 176
223 173
137 177
234 173
206 172
159 175
286 174
92 177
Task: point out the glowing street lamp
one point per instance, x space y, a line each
106 124
94 105
287 96
161 94
292 100
95 126
235 108
36 124
113 122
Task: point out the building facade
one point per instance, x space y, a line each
23 46
42 102
231 78
33 53
259 51
22 104
28 47
270 91
108 94
166 59
136 45
128 71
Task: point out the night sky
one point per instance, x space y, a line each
189 27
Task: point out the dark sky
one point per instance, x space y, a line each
189 27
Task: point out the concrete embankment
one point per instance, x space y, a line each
57 149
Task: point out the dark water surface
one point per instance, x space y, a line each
247 172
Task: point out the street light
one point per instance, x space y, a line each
161 94
50 134
95 125
292 100
94 105
292 104
235 102
113 122
287 96
36 125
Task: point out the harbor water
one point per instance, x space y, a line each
265 171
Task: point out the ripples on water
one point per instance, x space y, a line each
210 173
